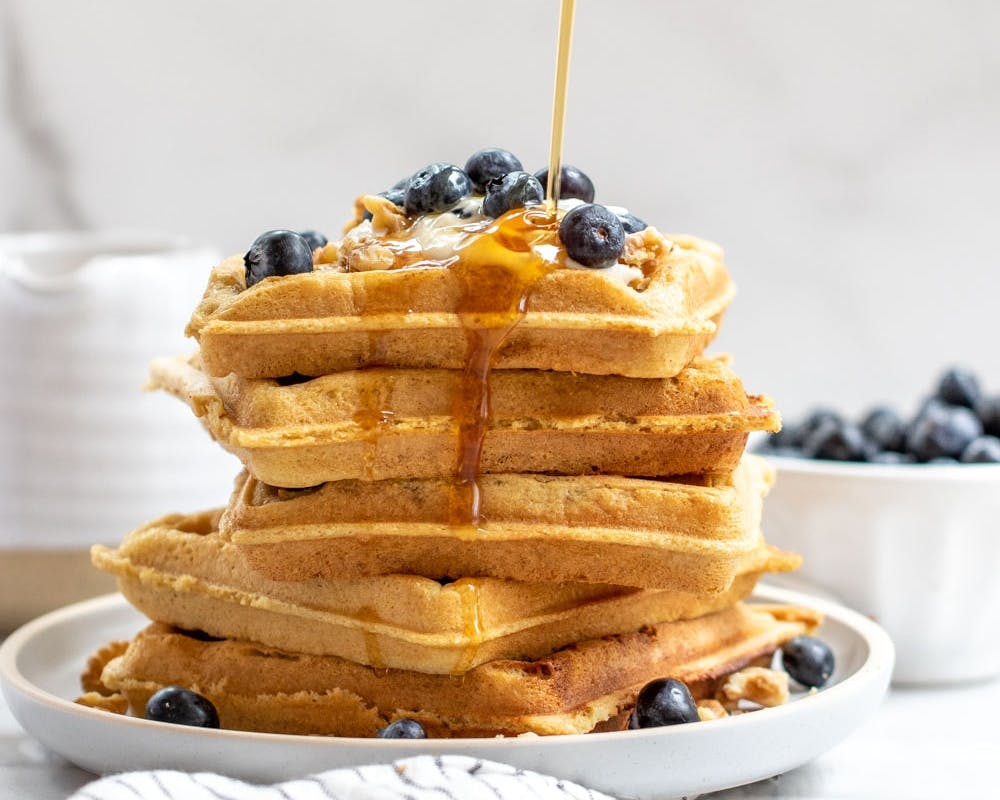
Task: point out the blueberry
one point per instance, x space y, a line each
883 426
665 701
277 253
984 450
959 387
486 165
890 457
437 187
781 452
314 239
402 729
798 435
837 441
785 438
572 183
182 707
395 195
592 235
808 660
942 431
631 223
988 409
513 190
928 404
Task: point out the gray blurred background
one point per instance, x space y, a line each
845 154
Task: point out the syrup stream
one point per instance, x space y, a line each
498 268
567 9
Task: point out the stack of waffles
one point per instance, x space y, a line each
484 489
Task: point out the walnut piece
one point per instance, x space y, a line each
90 680
760 685
113 703
711 709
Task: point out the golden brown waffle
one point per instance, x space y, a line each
577 320
378 424
178 570
571 691
690 536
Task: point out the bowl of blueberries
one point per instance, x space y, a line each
899 517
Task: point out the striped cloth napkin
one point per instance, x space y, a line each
418 778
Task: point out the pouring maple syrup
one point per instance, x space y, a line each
499 268
566 13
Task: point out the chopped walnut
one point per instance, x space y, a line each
386 215
367 256
327 254
90 680
760 685
711 709
113 703
647 250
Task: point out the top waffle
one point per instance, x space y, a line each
646 317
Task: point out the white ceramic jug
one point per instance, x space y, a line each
85 454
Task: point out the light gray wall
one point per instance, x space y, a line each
846 154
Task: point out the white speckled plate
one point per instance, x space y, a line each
41 662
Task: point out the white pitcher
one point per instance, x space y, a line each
85 454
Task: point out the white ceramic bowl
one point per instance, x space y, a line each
915 547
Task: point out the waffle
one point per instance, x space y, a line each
178 570
692 536
574 690
576 320
379 424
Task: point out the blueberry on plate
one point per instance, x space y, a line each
984 450
883 426
942 431
514 190
314 239
489 164
808 660
572 184
592 235
959 387
437 187
277 253
837 441
181 706
665 701
402 729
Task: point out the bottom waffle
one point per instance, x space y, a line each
586 686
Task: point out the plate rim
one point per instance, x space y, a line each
877 665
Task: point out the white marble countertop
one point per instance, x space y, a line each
922 743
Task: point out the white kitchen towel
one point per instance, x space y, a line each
418 778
